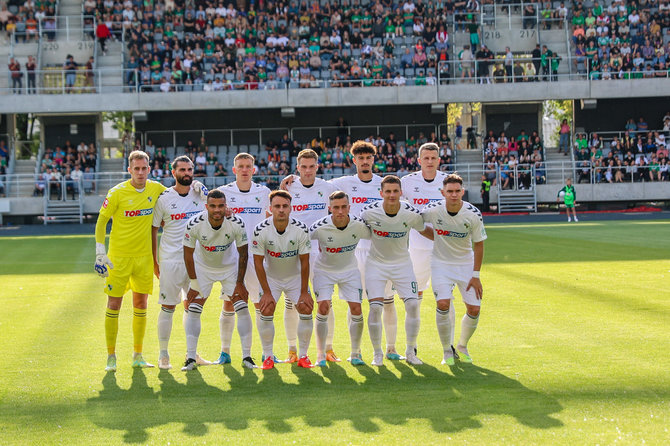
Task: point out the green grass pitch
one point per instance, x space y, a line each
572 348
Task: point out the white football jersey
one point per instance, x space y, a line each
281 251
360 192
174 211
310 204
390 234
419 193
337 246
216 247
454 235
250 206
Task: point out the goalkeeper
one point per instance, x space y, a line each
130 205
569 196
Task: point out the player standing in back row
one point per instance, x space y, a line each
421 189
458 252
249 201
390 222
173 209
309 204
130 205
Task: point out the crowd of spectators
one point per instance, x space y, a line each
622 39
221 45
511 160
20 19
277 158
66 165
639 154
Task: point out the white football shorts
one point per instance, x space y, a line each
207 277
378 276
348 282
174 283
421 261
445 277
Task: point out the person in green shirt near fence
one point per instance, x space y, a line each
486 188
569 196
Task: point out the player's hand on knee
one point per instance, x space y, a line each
266 303
200 188
305 303
477 285
102 262
190 297
240 292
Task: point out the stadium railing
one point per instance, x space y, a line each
69 28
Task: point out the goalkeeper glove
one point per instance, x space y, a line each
102 261
200 188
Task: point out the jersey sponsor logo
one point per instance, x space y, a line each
341 249
282 255
364 199
309 207
139 212
444 233
246 210
216 248
183 215
425 200
389 234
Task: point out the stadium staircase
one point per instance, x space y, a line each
554 175
72 10
112 81
24 167
61 208
111 165
518 200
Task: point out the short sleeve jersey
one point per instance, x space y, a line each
131 212
174 211
281 251
455 234
216 246
361 193
337 246
250 206
390 233
420 193
310 204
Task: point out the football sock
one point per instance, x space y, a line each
164 328
266 331
291 324
321 332
244 326
305 327
331 328
412 323
139 327
258 318
356 332
390 322
375 324
226 326
443 328
111 329
192 329
468 327
452 321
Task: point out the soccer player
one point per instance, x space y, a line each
569 196
390 222
338 235
458 251
309 204
281 248
420 189
214 262
249 201
129 265
173 209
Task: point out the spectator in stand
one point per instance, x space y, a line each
564 140
16 74
102 32
4 152
30 70
70 68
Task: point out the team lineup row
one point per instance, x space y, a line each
354 232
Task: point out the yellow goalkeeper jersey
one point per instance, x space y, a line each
132 214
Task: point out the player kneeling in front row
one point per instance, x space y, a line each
457 224
214 261
390 222
281 250
338 235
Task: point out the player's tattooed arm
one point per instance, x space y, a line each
286 182
305 302
240 289
267 302
154 250
194 288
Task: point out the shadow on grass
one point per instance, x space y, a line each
450 402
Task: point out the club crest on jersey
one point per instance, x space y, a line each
404 224
467 226
258 200
150 199
292 242
320 194
353 236
195 203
